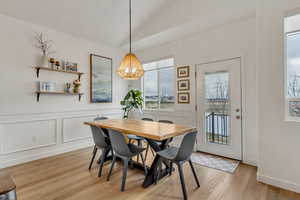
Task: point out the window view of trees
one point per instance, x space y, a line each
293 73
159 84
217 108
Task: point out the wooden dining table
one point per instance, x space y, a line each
158 135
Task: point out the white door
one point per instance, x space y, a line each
219 108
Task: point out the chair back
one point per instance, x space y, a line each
148 119
100 118
186 147
99 137
118 143
103 129
166 121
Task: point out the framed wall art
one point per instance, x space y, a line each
183 98
183 85
183 72
100 79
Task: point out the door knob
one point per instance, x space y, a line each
237 110
238 117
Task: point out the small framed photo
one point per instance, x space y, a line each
183 72
71 67
183 85
184 98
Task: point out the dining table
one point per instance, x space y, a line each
157 134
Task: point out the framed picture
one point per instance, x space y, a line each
183 72
100 79
184 97
183 85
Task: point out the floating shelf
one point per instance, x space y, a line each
56 70
38 93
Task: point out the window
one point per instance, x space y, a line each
292 42
159 85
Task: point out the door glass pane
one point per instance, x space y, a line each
167 88
151 89
217 108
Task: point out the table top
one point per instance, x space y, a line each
6 183
147 129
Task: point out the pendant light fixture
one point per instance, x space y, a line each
130 67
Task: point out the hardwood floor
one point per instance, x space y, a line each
67 177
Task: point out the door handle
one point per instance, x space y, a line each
238 117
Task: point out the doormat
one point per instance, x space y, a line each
215 162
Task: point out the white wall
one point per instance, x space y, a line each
279 158
30 129
226 41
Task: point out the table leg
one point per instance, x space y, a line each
152 172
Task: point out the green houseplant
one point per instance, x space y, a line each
133 100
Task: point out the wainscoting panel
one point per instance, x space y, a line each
73 128
27 135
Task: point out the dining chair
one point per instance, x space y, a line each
125 152
179 156
139 139
165 121
148 145
102 142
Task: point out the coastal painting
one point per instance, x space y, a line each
100 79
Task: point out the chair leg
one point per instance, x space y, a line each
194 172
124 175
105 151
182 180
111 168
171 168
93 157
144 163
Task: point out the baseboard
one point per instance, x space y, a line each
278 183
46 154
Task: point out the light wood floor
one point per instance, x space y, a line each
66 177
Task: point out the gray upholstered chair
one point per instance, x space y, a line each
101 140
179 156
125 152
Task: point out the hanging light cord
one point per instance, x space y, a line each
129 26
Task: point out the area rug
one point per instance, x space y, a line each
215 162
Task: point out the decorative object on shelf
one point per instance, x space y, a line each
133 100
45 47
71 67
55 70
57 64
183 72
100 79
52 62
76 85
47 86
130 67
68 87
183 85
183 98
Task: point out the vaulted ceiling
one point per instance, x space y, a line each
106 21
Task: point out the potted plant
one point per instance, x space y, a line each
133 100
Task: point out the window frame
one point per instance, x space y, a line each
287 99
158 85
